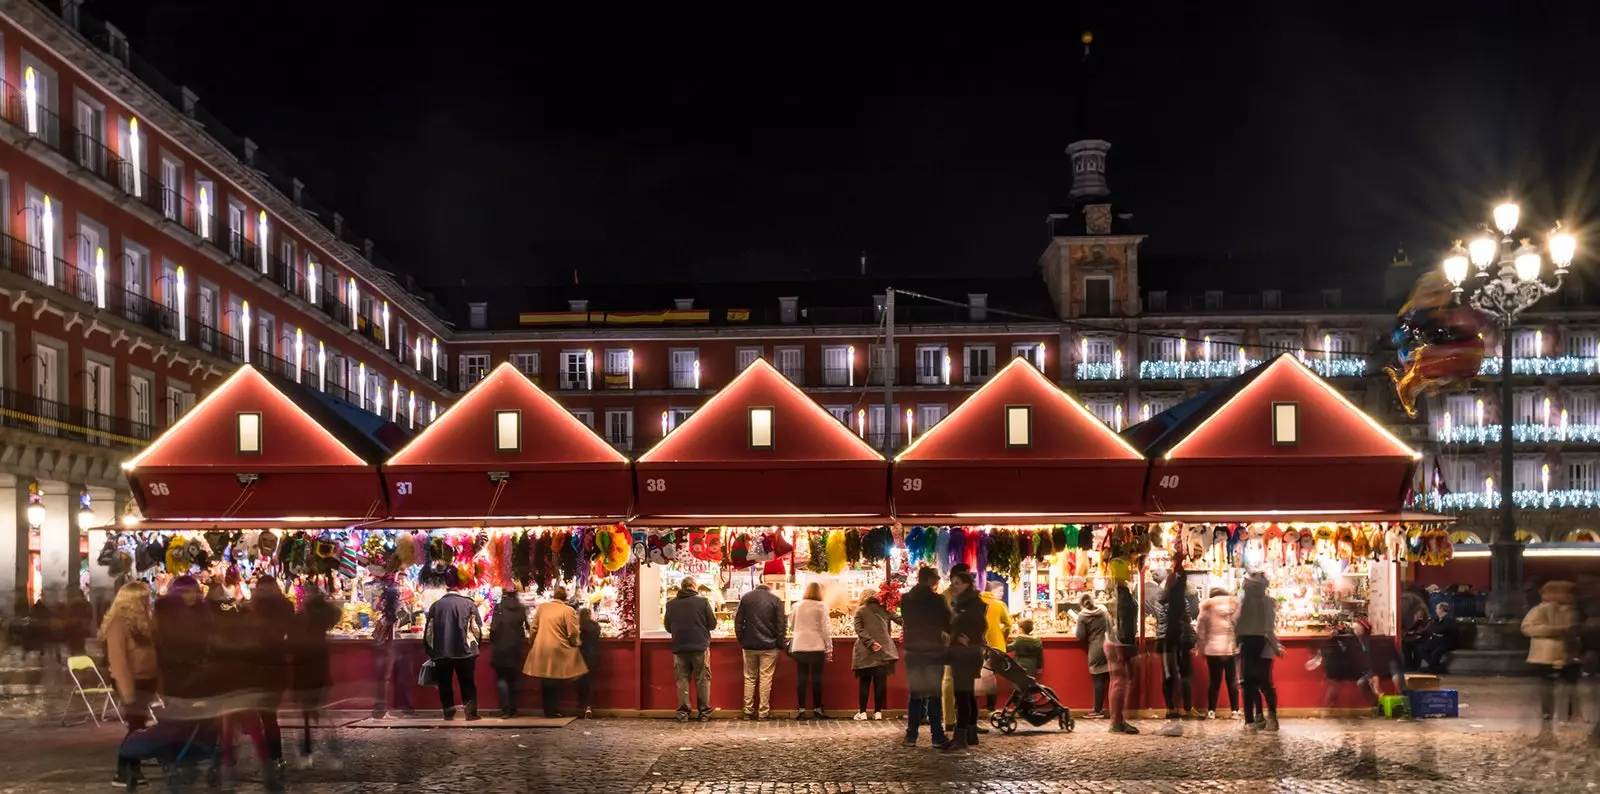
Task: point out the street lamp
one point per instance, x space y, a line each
35 505
85 510
1504 294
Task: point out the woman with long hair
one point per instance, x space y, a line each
811 647
969 626
129 634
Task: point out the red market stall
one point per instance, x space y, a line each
759 460
1277 471
505 463
1021 457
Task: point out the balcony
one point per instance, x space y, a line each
617 380
1100 370
1101 308
1193 370
977 374
1543 365
1521 433
685 377
836 376
59 420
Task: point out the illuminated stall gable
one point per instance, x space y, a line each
761 448
507 453
260 449
1019 448
1277 440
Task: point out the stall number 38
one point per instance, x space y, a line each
655 485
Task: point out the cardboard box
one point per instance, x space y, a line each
1420 682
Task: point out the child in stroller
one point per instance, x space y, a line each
1030 700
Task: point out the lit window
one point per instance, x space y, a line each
1285 423
249 434
761 428
507 431
1019 425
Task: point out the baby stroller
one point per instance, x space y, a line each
179 746
1030 700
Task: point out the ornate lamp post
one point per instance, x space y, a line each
1503 294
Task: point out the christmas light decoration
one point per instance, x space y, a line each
1520 433
1525 499
1544 365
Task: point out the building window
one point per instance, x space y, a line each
1526 344
619 428
841 413
1104 408
1581 407
171 188
677 416
139 400
1032 351
1278 342
836 366
761 419
473 367
1580 343
1285 423
585 416
980 360
1098 298
1099 350
745 356
507 431
526 363
1581 474
791 362
575 369
1462 474
248 433
685 368
619 368
928 416
1019 425
1525 407
1526 474
477 316
179 401
1161 348
930 364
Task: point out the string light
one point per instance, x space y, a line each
1522 432
1544 365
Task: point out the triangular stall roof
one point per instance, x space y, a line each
552 469
1019 450
1275 442
717 469
260 451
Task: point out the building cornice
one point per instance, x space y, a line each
464 339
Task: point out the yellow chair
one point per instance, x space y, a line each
85 665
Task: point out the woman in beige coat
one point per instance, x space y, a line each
1549 628
554 656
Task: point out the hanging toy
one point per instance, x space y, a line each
817 546
614 556
835 551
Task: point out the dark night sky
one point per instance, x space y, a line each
507 147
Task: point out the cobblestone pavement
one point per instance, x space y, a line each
778 757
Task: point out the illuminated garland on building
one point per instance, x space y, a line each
1180 370
1524 499
1520 433
1561 365
1099 371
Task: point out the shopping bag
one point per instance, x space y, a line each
427 675
985 683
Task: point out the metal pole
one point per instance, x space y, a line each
890 363
1505 553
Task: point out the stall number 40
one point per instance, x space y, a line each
911 484
1169 481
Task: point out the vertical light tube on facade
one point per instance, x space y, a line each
411 410
244 319
361 384
435 361
697 373
1117 416
861 422
394 401
433 411
322 367
183 301
133 156
851 356
664 427
355 303
261 239
418 352
47 222
204 208
299 353
630 368
385 325
910 430
99 278
946 370
311 279
30 96
588 370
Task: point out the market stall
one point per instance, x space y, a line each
1277 471
1029 472
760 484
519 494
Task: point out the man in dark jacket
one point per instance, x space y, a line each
759 625
508 648
926 617
1176 640
451 638
689 620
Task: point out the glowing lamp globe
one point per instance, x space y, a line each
1482 250
36 514
1506 216
1455 264
1563 247
1528 262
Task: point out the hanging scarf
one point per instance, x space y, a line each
836 552
852 546
941 551
817 546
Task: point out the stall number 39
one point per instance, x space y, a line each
911 484
1168 481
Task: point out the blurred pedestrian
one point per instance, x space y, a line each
968 629
1122 626
926 618
1175 638
1434 652
758 623
1551 628
391 665
1256 629
1093 622
947 686
811 647
508 648
129 634
76 620
313 676
554 657
690 621
451 637
183 635
589 648
1216 640
874 654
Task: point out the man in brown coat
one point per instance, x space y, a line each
554 657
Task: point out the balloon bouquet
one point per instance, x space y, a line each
1438 344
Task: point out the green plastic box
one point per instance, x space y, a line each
1395 706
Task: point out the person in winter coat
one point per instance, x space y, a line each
1256 628
758 624
129 634
689 619
1214 633
1443 633
391 666
811 646
508 648
997 635
1122 625
926 618
589 648
1027 649
554 657
1551 628
313 675
1091 631
873 656
451 637
251 657
183 633
968 630
1176 640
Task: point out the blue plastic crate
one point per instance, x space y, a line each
1434 702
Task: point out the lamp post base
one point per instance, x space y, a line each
1506 601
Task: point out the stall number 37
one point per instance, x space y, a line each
1168 481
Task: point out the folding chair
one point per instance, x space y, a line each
84 664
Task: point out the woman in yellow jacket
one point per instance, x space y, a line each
997 635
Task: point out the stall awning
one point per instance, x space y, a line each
1275 443
761 448
1019 450
265 452
507 454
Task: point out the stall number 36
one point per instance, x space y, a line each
160 489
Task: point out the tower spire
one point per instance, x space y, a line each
1088 151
